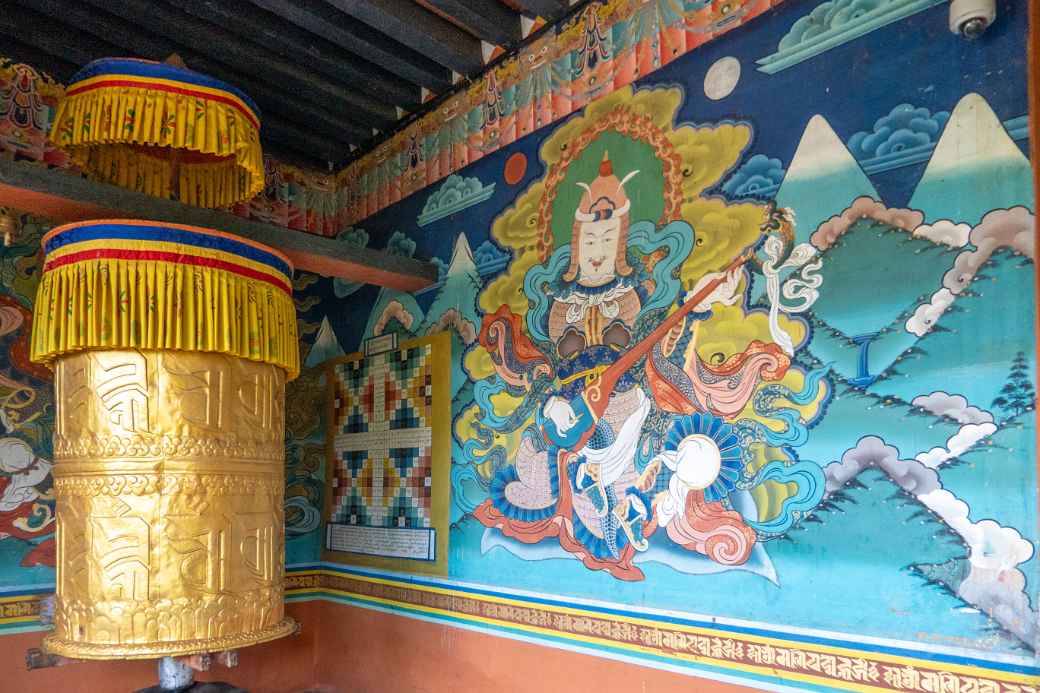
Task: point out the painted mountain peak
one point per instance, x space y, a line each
455 305
975 167
823 177
462 261
326 345
394 311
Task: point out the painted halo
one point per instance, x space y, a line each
699 438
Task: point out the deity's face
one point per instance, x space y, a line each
597 251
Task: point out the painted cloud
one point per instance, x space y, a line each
960 442
827 16
994 583
945 232
757 174
1002 228
832 229
927 314
905 127
873 452
955 407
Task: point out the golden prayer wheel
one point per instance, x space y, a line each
170 346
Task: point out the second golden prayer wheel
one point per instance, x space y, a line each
171 347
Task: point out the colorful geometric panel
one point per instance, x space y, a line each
355 385
382 450
409 388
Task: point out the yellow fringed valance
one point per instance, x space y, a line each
162 130
118 284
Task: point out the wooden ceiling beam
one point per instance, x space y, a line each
59 68
489 19
114 36
63 197
361 41
246 58
546 9
415 26
60 43
283 133
258 26
47 50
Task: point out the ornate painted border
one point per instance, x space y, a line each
752 655
741 653
21 610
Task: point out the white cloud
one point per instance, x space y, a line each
927 314
872 451
959 443
945 232
955 407
1001 228
994 584
1006 228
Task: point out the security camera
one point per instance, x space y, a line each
970 18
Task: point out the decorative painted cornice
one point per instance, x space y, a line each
548 80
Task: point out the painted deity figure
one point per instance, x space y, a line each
591 323
586 473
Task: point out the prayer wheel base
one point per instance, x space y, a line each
152 650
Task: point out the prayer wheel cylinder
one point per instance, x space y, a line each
169 462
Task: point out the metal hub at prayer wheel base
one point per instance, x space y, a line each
169 478
207 687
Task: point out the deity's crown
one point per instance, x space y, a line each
605 197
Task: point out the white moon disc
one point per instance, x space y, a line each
699 461
722 78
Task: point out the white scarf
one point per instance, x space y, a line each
607 302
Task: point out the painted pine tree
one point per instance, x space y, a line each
1017 396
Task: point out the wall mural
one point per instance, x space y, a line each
26 419
845 418
687 459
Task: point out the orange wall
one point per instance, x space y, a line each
283 666
365 651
